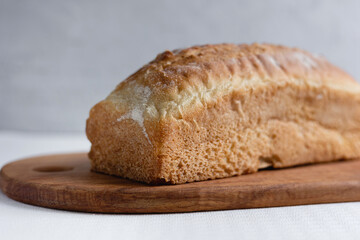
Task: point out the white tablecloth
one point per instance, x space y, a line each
21 221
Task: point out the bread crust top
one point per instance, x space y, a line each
176 81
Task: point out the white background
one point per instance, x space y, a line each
58 58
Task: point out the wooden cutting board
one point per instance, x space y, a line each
66 182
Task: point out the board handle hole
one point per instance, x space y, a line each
53 169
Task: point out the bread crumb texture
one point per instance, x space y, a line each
216 111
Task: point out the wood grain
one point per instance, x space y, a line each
66 182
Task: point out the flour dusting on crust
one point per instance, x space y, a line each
305 60
138 107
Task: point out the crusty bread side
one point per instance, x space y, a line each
216 111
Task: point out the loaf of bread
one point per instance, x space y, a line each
216 111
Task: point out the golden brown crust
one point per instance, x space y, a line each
215 111
181 68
